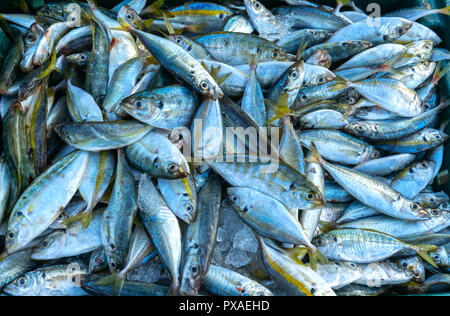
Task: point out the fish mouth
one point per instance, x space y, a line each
423 214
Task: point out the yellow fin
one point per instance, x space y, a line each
155 8
50 68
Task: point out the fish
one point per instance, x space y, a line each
200 238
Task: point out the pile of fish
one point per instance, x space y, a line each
118 175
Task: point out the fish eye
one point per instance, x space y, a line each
189 208
257 5
178 41
22 281
221 16
294 75
29 36
204 85
415 206
47 11
275 54
194 269
423 164
139 105
416 275
319 242
11 235
245 209
438 137
400 30
44 243
436 212
304 97
360 128
83 57
310 196
98 260
321 80
172 167
233 198
129 17
113 264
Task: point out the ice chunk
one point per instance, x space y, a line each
237 258
148 273
245 240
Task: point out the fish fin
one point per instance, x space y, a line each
315 156
315 257
169 26
155 8
148 23
439 72
253 63
107 280
296 253
327 227
281 110
423 250
301 50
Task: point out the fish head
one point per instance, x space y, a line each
311 197
440 256
295 75
280 55
422 170
79 59
52 10
327 243
142 105
23 286
48 248
415 265
414 210
205 83
394 28
177 169
359 129
18 235
193 271
126 13
254 6
434 136
32 34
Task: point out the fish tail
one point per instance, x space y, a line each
315 257
301 49
174 288
155 8
195 28
169 26
439 72
341 84
445 10
107 280
253 63
297 253
118 284
315 157
281 110
423 250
